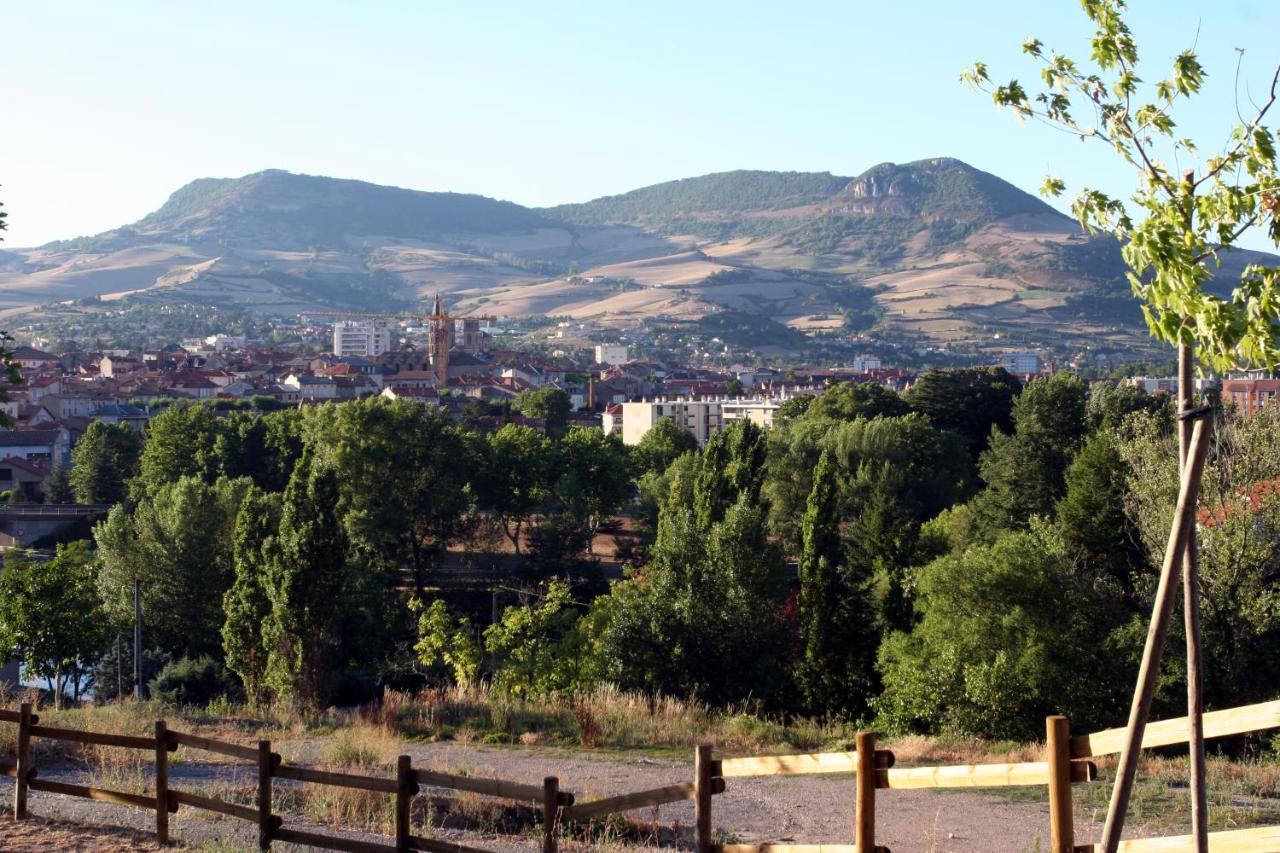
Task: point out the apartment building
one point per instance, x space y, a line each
362 338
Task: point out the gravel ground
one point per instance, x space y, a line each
797 809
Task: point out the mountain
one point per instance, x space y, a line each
933 251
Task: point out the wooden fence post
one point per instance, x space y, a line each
162 783
550 813
1058 742
24 762
406 787
266 767
702 792
864 813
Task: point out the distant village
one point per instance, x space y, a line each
445 361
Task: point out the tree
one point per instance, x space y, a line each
178 543
703 618
1110 405
1239 532
1091 516
537 648
968 400
102 463
247 604
730 469
317 601
1025 472
733 388
181 442
835 672
595 478
444 640
58 490
516 478
851 400
404 496
1188 219
50 614
552 405
962 670
662 444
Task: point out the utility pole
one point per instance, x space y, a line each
137 640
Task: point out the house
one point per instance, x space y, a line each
26 476
121 413
36 445
1250 395
311 387
31 358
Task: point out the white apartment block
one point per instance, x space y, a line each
361 338
611 354
699 417
1021 362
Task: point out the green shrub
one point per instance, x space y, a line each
195 681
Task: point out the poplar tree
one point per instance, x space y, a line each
837 646
248 603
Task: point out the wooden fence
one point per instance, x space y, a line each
1067 763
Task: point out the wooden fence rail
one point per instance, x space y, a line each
1066 764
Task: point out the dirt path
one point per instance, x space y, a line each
798 809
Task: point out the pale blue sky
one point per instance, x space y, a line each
105 108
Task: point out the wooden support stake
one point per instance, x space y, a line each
1191 621
406 787
24 761
1062 838
864 812
266 766
550 813
1184 521
702 793
162 783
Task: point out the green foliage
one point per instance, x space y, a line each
1184 220
594 477
50 614
538 649
515 476
58 490
837 636
194 682
449 642
102 462
317 593
403 492
1110 405
1006 636
552 405
247 604
750 330
178 543
1025 471
730 470
703 618
662 444
851 400
968 400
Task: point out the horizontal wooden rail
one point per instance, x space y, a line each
331 842
98 738
1259 839
417 842
101 795
231 750
339 780
979 775
489 787
7 716
211 805
786 765
790 848
1232 721
638 800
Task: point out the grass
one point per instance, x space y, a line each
1243 792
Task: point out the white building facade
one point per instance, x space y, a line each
363 338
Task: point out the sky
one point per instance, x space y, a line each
106 108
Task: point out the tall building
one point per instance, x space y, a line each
611 354
363 338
